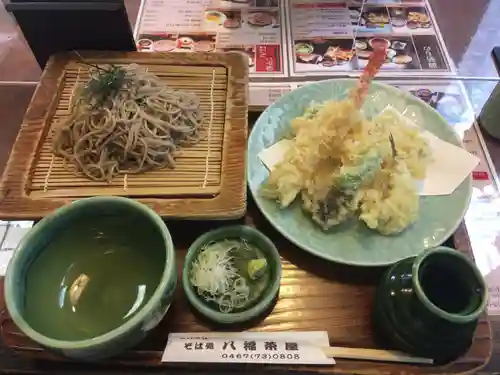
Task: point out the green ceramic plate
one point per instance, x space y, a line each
353 243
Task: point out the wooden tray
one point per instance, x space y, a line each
314 295
209 179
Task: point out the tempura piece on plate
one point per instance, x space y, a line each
316 151
343 166
390 204
412 147
283 184
335 208
333 195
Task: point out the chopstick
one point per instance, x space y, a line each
374 355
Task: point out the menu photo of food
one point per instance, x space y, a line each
375 20
354 15
232 4
196 42
222 19
392 2
157 42
401 53
144 44
410 20
241 4
267 3
258 19
383 2
323 54
429 52
413 2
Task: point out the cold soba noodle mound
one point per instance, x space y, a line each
125 120
342 164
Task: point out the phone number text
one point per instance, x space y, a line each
263 356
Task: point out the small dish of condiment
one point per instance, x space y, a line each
232 274
397 45
144 44
361 45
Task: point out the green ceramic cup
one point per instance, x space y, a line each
267 297
429 305
51 311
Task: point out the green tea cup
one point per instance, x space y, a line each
429 305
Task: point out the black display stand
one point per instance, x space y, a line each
57 26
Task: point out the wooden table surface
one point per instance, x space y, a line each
13 100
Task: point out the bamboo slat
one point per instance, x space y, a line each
208 180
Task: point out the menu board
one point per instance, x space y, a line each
252 27
286 41
336 36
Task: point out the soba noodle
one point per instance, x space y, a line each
136 129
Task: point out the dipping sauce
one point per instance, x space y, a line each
93 276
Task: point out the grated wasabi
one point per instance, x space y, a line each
256 268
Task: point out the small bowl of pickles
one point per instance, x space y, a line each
232 275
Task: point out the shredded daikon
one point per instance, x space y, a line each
217 279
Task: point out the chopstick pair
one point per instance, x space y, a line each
374 355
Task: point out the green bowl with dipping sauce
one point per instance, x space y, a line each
251 256
91 279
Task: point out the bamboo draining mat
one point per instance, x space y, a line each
209 178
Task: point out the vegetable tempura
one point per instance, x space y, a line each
343 165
